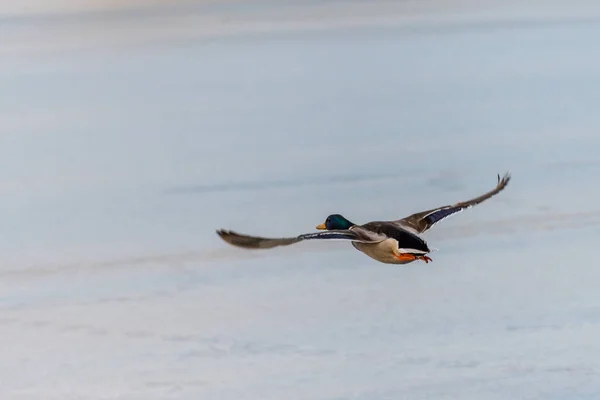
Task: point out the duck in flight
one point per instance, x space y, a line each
390 242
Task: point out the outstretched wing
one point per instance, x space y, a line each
257 242
424 220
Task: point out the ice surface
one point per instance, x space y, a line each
127 137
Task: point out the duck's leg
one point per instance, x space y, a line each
407 257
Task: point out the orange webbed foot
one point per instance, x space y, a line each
405 257
412 257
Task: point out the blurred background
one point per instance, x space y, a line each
130 131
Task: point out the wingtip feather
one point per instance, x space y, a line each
505 179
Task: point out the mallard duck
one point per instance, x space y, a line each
390 242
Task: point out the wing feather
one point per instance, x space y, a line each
258 242
424 220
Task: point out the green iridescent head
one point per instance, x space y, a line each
335 221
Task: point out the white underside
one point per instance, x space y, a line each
386 251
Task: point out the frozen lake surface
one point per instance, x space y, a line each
128 137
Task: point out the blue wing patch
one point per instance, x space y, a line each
439 215
330 235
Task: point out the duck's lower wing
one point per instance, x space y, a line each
257 242
424 220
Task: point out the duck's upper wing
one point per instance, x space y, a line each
424 220
257 242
